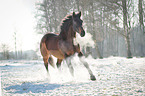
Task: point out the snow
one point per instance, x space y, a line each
0 85
115 76
85 41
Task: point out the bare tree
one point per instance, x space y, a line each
126 29
114 10
140 9
15 42
5 51
43 17
111 23
94 29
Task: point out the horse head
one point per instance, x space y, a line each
77 24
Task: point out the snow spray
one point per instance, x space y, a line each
85 41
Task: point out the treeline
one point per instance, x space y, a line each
25 55
117 26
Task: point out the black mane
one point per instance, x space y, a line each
66 22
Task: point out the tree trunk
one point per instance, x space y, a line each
94 33
140 9
15 38
129 54
54 14
88 51
98 51
126 31
77 3
46 15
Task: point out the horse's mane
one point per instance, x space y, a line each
66 22
67 19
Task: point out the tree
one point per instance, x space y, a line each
110 22
140 9
5 51
15 43
126 29
93 31
49 15
118 9
43 17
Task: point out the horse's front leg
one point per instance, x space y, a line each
81 57
92 77
71 69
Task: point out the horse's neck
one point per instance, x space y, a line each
68 35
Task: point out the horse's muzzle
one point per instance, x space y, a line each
82 32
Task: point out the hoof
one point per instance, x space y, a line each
93 78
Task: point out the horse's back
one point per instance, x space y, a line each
50 45
50 40
47 37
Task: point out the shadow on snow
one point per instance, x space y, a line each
32 87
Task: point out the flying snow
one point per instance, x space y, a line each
115 76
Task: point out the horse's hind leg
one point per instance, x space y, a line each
45 54
45 59
59 63
50 60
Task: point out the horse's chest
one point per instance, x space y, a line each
67 48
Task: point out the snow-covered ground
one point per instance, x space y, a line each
115 76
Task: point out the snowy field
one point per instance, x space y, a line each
115 76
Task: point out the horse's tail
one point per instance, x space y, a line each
51 61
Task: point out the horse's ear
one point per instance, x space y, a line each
79 14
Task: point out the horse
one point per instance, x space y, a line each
62 45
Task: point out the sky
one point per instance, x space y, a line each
18 16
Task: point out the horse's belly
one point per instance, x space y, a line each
57 54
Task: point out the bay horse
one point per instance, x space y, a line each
62 46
